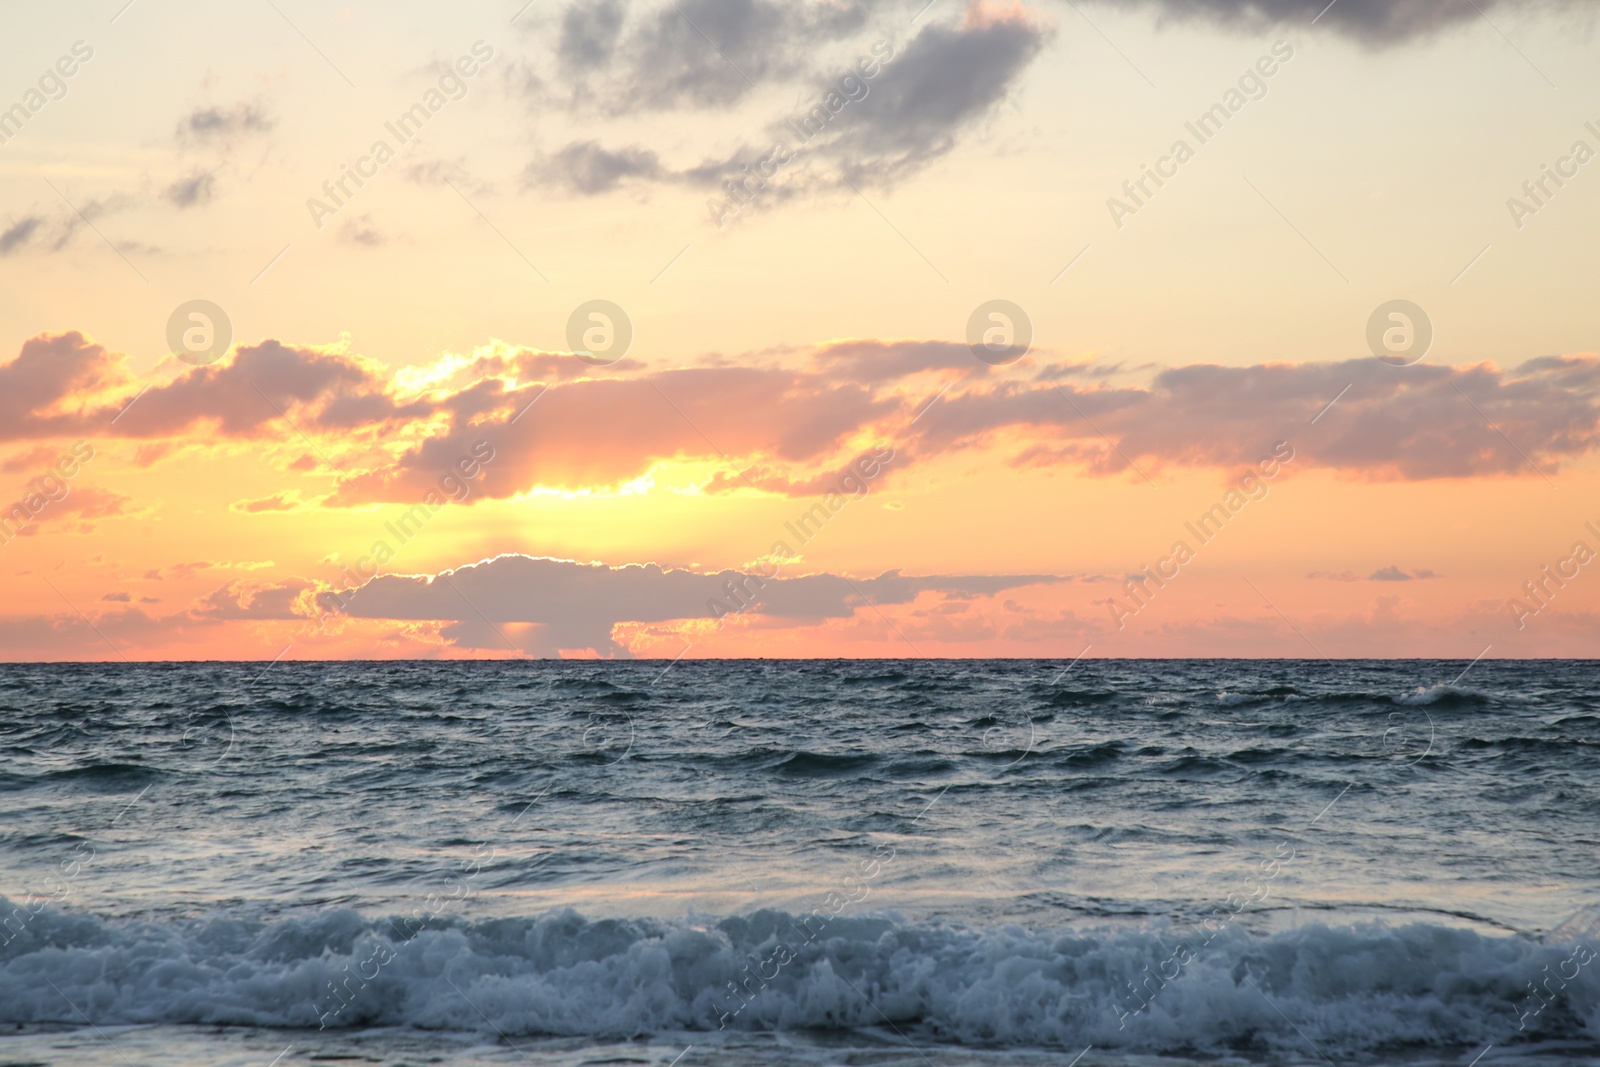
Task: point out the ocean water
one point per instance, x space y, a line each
830 862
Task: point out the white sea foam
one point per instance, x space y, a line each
1433 694
1349 990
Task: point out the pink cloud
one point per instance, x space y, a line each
554 421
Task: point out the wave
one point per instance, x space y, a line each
1353 991
1093 755
1558 746
1231 699
1446 695
805 764
92 777
1068 698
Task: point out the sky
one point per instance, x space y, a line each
734 328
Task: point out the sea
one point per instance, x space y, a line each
875 863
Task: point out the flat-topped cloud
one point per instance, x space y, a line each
575 605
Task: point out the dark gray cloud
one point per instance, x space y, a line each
575 605
585 167
53 227
223 124
888 118
1373 22
589 34
1392 573
689 55
208 140
944 80
701 54
69 223
867 118
18 233
437 172
622 57
363 232
706 53
194 190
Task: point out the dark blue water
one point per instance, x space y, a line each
806 861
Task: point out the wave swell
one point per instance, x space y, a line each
1353 991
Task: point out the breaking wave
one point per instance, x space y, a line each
1351 991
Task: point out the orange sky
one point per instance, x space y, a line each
385 436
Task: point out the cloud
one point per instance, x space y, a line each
789 426
1412 423
91 502
38 387
288 500
248 600
871 360
1376 23
182 571
194 190
440 172
840 479
693 54
31 459
572 605
584 167
851 126
362 231
148 455
209 140
72 636
1392 573
690 57
18 233
790 416
242 397
589 34
945 80
53 229
223 124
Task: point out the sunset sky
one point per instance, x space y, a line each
800 453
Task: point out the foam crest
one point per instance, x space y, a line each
1350 991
